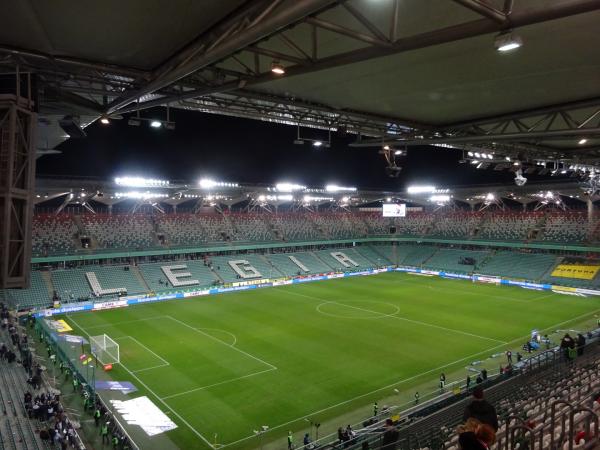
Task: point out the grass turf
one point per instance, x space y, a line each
228 364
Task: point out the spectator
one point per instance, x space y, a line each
390 436
481 409
474 435
566 344
580 344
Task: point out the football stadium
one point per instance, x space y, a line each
300 224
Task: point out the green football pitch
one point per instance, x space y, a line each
222 366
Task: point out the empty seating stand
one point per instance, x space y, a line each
53 234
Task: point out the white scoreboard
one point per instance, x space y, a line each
394 210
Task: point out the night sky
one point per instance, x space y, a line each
249 151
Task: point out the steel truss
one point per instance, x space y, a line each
216 72
17 178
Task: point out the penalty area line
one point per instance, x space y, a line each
270 369
196 432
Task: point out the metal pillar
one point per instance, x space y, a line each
17 178
590 210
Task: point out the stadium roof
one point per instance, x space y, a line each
406 72
58 193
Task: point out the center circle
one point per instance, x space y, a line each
358 309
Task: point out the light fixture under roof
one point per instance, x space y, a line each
317 143
582 141
507 41
104 120
156 124
277 68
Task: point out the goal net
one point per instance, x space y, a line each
104 349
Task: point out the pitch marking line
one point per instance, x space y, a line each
313 414
164 364
196 432
418 322
222 331
198 330
270 369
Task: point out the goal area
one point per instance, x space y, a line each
104 349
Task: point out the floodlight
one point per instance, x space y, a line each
317 143
386 147
507 41
345 199
420 189
470 153
490 197
277 68
289 187
104 120
156 124
398 152
335 188
286 197
439 198
582 141
207 184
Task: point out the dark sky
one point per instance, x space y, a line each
249 151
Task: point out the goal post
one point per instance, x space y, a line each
105 349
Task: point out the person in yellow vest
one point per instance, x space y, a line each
104 433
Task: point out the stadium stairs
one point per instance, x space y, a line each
17 431
135 270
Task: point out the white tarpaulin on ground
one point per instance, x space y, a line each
141 411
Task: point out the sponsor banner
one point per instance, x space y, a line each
527 284
235 288
430 272
581 272
59 325
407 269
485 279
333 276
110 305
564 288
123 386
353 274
250 283
587 291
73 339
455 276
304 280
196 293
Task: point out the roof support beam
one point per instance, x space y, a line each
285 15
484 138
482 8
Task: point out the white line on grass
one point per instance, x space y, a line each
222 331
196 432
150 368
314 413
197 330
418 322
270 369
142 345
